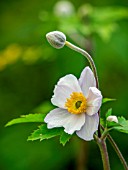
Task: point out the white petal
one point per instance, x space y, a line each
90 126
87 80
64 88
94 100
61 118
70 81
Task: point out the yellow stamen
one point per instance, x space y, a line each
77 103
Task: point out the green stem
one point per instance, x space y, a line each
118 152
104 153
114 145
89 58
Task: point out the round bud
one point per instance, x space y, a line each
56 39
112 119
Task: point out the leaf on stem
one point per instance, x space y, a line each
44 133
36 117
109 112
64 138
105 100
123 125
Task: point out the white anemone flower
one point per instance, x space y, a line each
78 102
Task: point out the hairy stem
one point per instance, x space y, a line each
104 153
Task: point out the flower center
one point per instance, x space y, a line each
77 103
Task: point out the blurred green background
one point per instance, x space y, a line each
30 67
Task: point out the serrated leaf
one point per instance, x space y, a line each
35 135
109 112
64 138
44 133
123 125
36 117
112 124
105 100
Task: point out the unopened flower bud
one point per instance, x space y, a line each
112 119
56 39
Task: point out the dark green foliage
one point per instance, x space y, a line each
28 81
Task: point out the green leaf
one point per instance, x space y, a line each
44 133
112 125
109 112
123 125
64 138
36 117
105 100
102 121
